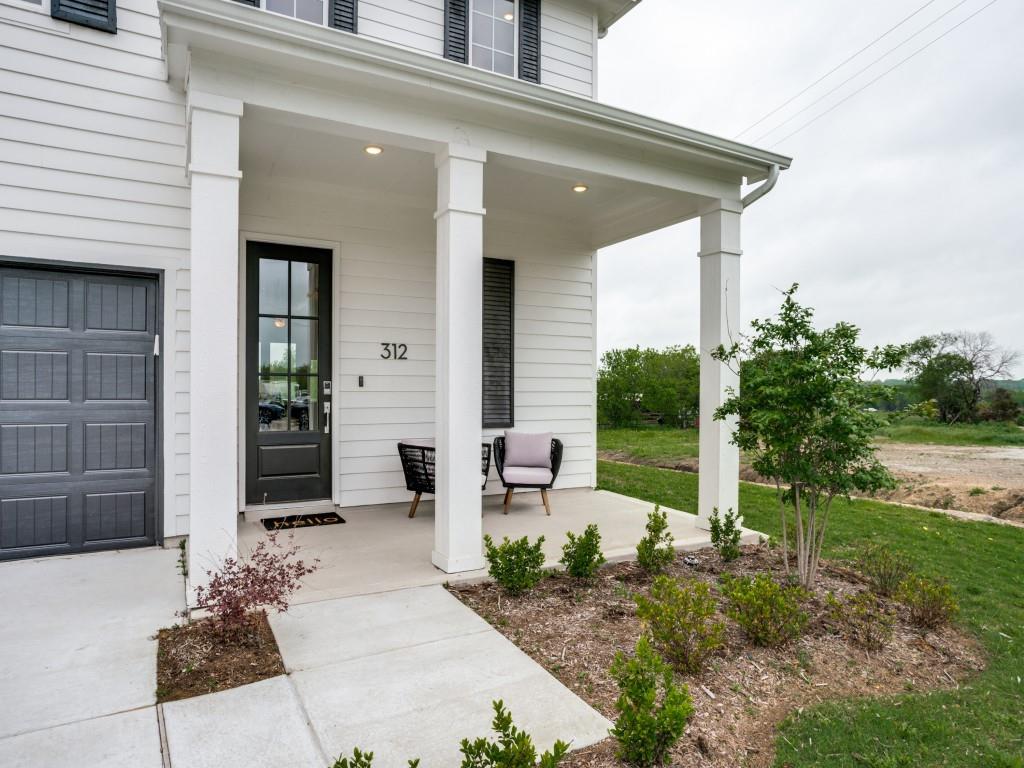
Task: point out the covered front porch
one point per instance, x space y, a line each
379 548
467 166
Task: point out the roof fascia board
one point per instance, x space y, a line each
272 32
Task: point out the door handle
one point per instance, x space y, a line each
327 417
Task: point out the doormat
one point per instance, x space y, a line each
302 521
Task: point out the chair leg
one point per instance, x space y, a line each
508 499
415 503
547 504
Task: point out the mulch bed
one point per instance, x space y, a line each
195 658
744 692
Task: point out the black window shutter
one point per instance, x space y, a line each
98 14
345 15
498 343
253 3
456 30
529 40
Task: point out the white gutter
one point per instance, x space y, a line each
757 193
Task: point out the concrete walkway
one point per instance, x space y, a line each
407 673
78 658
404 674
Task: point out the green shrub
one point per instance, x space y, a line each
655 552
515 565
863 619
680 617
884 569
362 759
647 727
930 602
767 612
513 749
581 555
725 534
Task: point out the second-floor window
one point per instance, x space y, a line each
307 10
492 30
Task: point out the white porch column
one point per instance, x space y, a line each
718 481
213 464
458 529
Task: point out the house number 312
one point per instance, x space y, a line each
392 351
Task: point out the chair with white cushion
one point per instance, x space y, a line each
527 460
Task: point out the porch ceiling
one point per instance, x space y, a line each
293 148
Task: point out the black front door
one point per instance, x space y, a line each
288 373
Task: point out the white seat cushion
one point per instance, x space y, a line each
527 475
526 449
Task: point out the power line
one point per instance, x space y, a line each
858 73
894 66
837 67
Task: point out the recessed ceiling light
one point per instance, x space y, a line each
280 322
509 16
373 149
580 188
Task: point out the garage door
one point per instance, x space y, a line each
78 442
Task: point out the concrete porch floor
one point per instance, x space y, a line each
380 549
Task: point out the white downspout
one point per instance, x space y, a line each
756 194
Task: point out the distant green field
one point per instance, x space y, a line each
977 724
650 444
987 433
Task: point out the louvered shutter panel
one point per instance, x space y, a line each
498 331
253 3
98 14
345 14
529 40
456 30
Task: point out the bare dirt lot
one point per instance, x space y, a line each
988 480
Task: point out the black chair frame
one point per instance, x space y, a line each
419 466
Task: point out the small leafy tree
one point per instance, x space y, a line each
267 579
655 552
725 534
516 565
800 416
681 619
513 748
653 710
582 555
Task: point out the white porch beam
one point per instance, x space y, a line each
718 481
458 528
213 465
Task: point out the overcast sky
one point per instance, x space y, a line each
903 210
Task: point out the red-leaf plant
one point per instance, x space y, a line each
267 579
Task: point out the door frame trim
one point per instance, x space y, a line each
159 276
334 246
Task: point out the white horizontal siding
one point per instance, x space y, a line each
568 50
417 24
92 148
385 293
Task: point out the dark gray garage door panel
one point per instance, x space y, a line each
78 443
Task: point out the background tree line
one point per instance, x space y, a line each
953 377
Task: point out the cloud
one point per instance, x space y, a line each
901 213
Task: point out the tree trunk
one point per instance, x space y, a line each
785 526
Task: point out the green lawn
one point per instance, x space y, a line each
987 433
982 724
650 443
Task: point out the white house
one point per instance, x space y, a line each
244 244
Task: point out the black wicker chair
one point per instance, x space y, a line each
418 462
542 484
